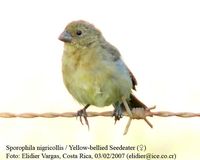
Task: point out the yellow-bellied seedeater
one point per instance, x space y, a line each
93 70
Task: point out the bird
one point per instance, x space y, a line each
94 72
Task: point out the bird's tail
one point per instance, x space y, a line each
134 102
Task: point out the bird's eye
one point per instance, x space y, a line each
78 32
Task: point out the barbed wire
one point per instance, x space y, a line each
136 113
95 114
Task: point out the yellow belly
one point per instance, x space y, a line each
100 86
92 79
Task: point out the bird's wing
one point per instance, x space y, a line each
133 79
116 55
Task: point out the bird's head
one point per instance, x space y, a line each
80 34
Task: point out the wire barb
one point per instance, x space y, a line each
139 113
136 114
95 114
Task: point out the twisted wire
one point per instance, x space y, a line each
95 114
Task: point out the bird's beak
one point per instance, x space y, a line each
65 37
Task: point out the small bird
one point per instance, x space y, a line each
94 72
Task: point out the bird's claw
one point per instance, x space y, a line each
118 111
118 114
82 113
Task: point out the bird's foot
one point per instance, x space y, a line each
117 113
82 113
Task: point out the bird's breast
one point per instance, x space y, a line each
94 81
